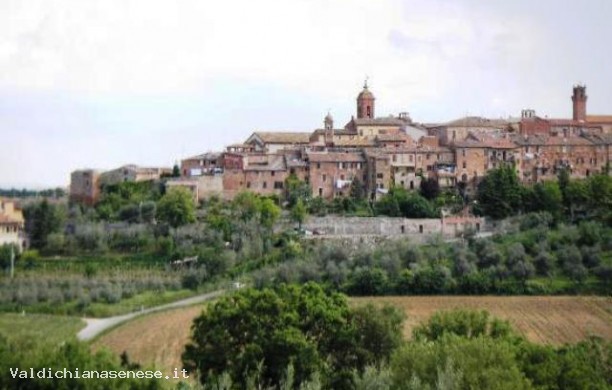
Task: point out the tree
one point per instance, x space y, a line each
499 193
298 213
266 330
176 171
357 190
42 219
296 189
176 207
547 196
268 212
430 189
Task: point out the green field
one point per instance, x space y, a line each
39 328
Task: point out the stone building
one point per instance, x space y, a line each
132 173
85 186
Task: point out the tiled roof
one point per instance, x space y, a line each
477 121
271 162
599 118
357 142
206 156
336 157
544 140
389 121
393 137
283 137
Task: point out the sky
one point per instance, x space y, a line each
100 84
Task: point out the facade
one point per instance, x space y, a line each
386 152
11 224
85 186
132 173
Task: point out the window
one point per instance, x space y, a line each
395 158
272 173
410 158
464 165
463 152
380 176
318 165
324 178
420 228
320 191
341 177
248 184
368 109
265 185
278 185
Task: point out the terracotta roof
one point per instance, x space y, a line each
206 156
599 118
477 121
283 137
357 142
599 139
270 162
388 121
336 157
393 137
492 143
544 140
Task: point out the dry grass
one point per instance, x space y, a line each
547 320
158 339
153 340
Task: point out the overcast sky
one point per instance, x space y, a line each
103 83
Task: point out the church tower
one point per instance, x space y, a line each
365 103
579 99
328 123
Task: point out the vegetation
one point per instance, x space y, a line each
456 350
264 332
176 207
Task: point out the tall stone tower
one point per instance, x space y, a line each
365 103
328 122
579 99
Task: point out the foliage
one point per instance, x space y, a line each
298 213
296 189
399 202
42 219
499 193
176 207
265 331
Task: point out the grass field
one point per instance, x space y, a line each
158 339
40 327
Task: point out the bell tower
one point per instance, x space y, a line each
579 99
365 103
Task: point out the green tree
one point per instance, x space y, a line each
176 207
499 193
265 331
357 190
268 212
296 189
42 219
298 213
430 189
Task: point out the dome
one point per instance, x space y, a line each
365 93
328 117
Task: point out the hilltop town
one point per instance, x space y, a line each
384 152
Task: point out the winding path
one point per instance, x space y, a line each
95 326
